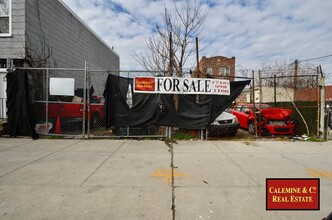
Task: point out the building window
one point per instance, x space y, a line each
209 71
224 71
5 17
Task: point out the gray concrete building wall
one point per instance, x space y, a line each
53 29
13 46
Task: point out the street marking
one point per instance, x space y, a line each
167 174
319 173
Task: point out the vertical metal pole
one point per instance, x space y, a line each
168 133
88 102
170 54
127 131
254 101
197 58
84 100
46 113
128 128
275 90
296 63
322 104
260 87
171 74
260 95
318 102
197 72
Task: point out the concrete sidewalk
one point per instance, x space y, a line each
129 179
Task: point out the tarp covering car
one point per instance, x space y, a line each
160 108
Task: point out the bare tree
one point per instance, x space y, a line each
38 54
174 42
41 56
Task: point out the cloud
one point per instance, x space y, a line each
251 30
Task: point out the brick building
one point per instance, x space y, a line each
310 94
217 66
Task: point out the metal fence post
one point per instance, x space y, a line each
128 128
254 101
322 102
318 89
84 100
46 113
88 102
275 89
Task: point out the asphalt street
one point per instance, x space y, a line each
149 179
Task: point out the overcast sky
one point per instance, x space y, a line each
253 31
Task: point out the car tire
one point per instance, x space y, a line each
251 128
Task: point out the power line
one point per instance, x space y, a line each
124 12
316 58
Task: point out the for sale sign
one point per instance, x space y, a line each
175 85
292 194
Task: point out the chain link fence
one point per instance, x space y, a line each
300 94
96 82
74 115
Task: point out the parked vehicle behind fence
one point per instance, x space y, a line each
72 111
269 120
225 124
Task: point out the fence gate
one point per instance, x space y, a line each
82 113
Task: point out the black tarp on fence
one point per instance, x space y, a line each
159 109
21 119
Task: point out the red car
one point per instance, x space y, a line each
269 120
73 111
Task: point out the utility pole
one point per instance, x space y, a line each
197 71
170 54
197 58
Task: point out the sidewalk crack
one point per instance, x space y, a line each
169 143
100 165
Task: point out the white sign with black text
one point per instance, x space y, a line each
175 85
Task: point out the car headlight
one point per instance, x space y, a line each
235 120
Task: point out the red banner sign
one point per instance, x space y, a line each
292 194
144 84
